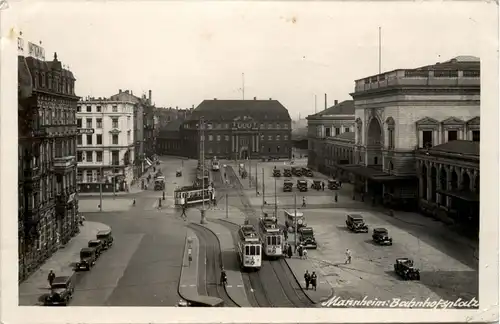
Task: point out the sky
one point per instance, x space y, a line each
186 52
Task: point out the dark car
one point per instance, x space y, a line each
306 237
106 237
61 292
296 172
288 186
307 172
356 223
276 173
316 185
287 172
88 258
333 184
97 245
178 173
381 236
302 185
405 269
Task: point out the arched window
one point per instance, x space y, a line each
390 133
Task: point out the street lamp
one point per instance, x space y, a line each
202 160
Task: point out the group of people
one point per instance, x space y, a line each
301 251
311 279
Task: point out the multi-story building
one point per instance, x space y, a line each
47 166
401 111
331 138
169 121
239 129
105 144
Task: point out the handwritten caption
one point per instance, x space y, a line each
337 301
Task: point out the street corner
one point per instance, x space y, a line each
108 205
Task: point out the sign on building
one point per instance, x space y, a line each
30 49
86 131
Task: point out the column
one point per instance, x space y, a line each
428 190
257 145
237 143
448 186
232 143
439 196
420 138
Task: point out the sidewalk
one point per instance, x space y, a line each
188 283
61 262
235 288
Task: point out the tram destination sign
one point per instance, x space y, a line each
84 131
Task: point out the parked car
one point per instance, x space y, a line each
276 173
307 172
287 172
302 185
381 236
61 292
287 186
316 184
306 237
405 269
88 258
97 245
356 223
296 172
333 184
106 237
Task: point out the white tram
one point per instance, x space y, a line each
249 248
193 195
272 236
215 164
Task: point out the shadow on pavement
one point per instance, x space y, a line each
344 229
450 284
233 258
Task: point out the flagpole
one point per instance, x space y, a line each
243 82
379 50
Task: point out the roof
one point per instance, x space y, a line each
345 107
346 136
463 63
231 109
457 147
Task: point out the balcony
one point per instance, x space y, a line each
64 163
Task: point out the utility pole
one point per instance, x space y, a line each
379 50
243 85
275 200
227 208
202 155
100 190
263 189
295 219
256 180
249 173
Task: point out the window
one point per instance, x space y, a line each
98 156
452 135
218 138
475 135
337 131
89 122
285 126
277 137
210 137
427 139
375 160
270 137
89 177
90 156
79 140
226 137
347 130
98 122
391 138
79 123
115 108
277 126
115 139
89 108
115 158
79 175
89 139
261 137
269 150
78 108
285 137
79 156
210 150
114 122
98 139
328 132
98 109
202 137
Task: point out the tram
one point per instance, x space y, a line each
215 164
193 195
272 237
249 248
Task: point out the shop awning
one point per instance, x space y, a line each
463 195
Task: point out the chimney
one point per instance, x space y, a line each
254 98
192 107
150 92
126 91
215 98
326 101
120 91
177 107
270 98
335 102
131 92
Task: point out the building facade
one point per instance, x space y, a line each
168 129
47 129
106 147
239 129
401 111
331 138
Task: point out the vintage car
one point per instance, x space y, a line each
287 172
302 185
296 172
61 292
294 217
287 186
276 173
244 174
356 223
97 245
159 183
405 269
88 258
307 172
178 173
316 184
306 237
106 237
333 184
381 236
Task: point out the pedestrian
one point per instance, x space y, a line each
323 185
299 250
307 279
51 277
214 202
336 197
304 252
133 202
225 176
285 233
290 251
184 208
348 256
190 257
304 201
314 280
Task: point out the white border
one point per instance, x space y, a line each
11 313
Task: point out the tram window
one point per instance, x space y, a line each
273 240
278 240
257 250
252 249
247 250
268 240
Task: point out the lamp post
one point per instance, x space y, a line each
202 160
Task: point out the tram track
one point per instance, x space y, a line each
210 257
274 285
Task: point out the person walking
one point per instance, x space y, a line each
184 208
323 185
290 251
336 197
314 280
51 277
307 279
348 256
304 201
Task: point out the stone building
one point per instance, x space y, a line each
331 138
169 139
239 129
47 131
106 144
404 110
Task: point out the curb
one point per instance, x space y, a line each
220 257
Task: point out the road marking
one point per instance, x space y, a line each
229 286
183 286
240 286
251 289
192 285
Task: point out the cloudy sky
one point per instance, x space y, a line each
189 51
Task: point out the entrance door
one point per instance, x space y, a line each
244 154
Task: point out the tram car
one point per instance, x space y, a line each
215 165
249 248
193 195
272 237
